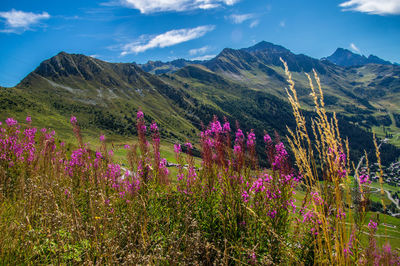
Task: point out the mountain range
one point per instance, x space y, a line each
244 85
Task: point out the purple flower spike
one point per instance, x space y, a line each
140 114
11 122
177 148
73 120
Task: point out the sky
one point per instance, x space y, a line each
142 30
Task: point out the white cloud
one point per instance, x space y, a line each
204 57
354 48
201 50
379 7
151 6
166 39
239 18
254 23
18 20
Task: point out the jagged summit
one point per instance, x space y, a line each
84 72
266 46
346 58
64 64
376 60
260 57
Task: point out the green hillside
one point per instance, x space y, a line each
242 85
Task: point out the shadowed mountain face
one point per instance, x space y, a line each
346 58
259 56
158 67
245 85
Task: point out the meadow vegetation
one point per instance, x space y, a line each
61 204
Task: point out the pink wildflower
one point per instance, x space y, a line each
11 122
73 120
189 145
177 148
364 179
239 136
140 114
153 127
253 258
372 225
251 139
245 196
227 127
216 127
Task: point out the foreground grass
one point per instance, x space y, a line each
117 204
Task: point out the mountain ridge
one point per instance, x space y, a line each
338 58
159 67
346 58
245 85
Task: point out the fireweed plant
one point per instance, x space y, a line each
64 204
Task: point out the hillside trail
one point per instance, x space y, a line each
389 197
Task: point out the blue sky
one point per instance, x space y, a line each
142 30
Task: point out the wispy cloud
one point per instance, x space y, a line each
254 23
282 24
152 6
204 57
378 7
239 18
166 39
19 21
201 50
354 48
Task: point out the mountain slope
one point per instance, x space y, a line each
351 91
105 95
260 110
259 67
366 95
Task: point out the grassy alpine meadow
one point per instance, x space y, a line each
65 204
